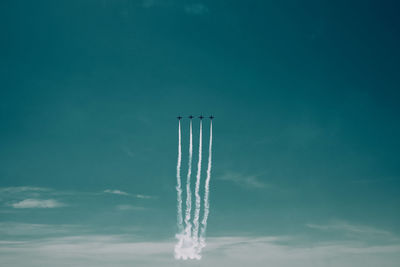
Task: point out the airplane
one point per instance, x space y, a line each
191 117
179 117
201 117
211 117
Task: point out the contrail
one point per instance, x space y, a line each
188 190
197 189
178 182
206 193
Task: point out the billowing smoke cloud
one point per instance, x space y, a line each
190 244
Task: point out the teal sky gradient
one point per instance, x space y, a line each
306 134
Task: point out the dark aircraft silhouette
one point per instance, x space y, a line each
191 117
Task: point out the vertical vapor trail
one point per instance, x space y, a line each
188 190
206 192
178 182
197 189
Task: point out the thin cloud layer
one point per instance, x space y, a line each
122 193
348 227
144 196
15 229
116 192
118 251
20 189
196 9
129 207
249 181
37 204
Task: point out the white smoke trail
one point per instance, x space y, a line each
189 245
206 195
178 182
188 190
197 189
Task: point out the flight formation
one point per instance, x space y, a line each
192 117
191 230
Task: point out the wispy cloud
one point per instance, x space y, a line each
144 196
37 204
129 207
157 3
116 192
122 193
250 181
123 251
20 189
375 180
196 9
148 3
128 151
350 228
17 229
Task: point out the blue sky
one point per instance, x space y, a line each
305 153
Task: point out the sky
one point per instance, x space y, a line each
305 148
